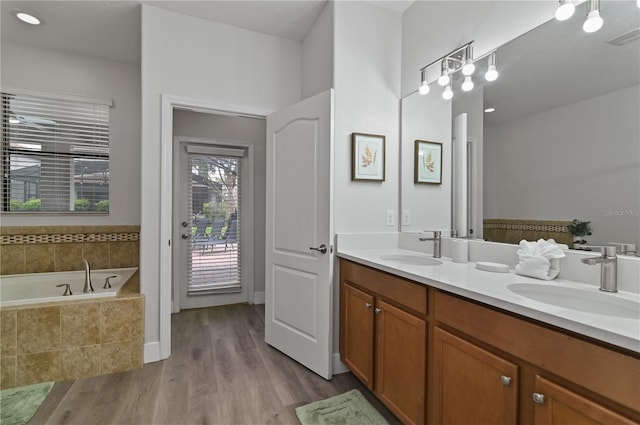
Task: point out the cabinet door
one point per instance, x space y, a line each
356 335
557 405
470 384
400 362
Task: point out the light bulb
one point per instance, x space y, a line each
593 23
468 68
28 18
638 4
492 73
424 88
565 10
447 94
488 110
467 85
444 80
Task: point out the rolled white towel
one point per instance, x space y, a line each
540 259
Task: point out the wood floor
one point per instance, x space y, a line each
220 372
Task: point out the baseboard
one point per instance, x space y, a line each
258 297
152 352
338 366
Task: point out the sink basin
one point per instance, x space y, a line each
414 260
595 302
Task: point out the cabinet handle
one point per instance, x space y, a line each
368 305
378 310
538 398
506 380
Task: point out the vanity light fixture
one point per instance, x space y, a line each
26 17
492 72
565 10
444 76
424 85
460 59
467 85
594 21
468 68
447 94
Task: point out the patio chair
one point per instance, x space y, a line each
209 239
231 235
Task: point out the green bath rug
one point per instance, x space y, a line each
350 408
18 405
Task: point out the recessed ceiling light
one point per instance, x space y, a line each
490 110
27 17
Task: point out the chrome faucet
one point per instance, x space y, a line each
609 268
437 239
88 287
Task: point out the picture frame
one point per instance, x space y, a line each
367 157
427 162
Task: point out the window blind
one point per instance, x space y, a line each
214 197
55 154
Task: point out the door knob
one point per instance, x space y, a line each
184 224
184 236
322 249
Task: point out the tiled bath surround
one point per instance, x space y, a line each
70 340
61 248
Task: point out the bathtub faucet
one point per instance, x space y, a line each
88 287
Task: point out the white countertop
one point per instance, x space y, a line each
491 288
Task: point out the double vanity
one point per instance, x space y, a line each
440 342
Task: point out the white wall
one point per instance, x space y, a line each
431 29
190 57
367 84
367 93
25 66
577 161
426 118
241 129
317 54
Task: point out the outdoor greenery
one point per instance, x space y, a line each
102 206
214 209
16 205
31 205
81 205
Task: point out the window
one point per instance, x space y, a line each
55 155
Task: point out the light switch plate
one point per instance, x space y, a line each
406 217
391 217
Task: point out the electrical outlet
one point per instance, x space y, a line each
391 218
406 217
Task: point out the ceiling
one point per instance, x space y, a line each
558 63
111 29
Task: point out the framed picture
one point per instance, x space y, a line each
367 153
428 162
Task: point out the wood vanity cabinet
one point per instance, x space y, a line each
554 377
480 364
383 337
469 382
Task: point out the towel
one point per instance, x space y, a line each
540 259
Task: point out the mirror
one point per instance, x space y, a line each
563 142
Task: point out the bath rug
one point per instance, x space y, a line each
18 405
350 408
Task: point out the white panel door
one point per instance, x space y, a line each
460 167
299 287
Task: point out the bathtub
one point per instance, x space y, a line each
36 288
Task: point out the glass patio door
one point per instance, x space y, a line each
211 182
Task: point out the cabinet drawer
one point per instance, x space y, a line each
609 373
406 293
